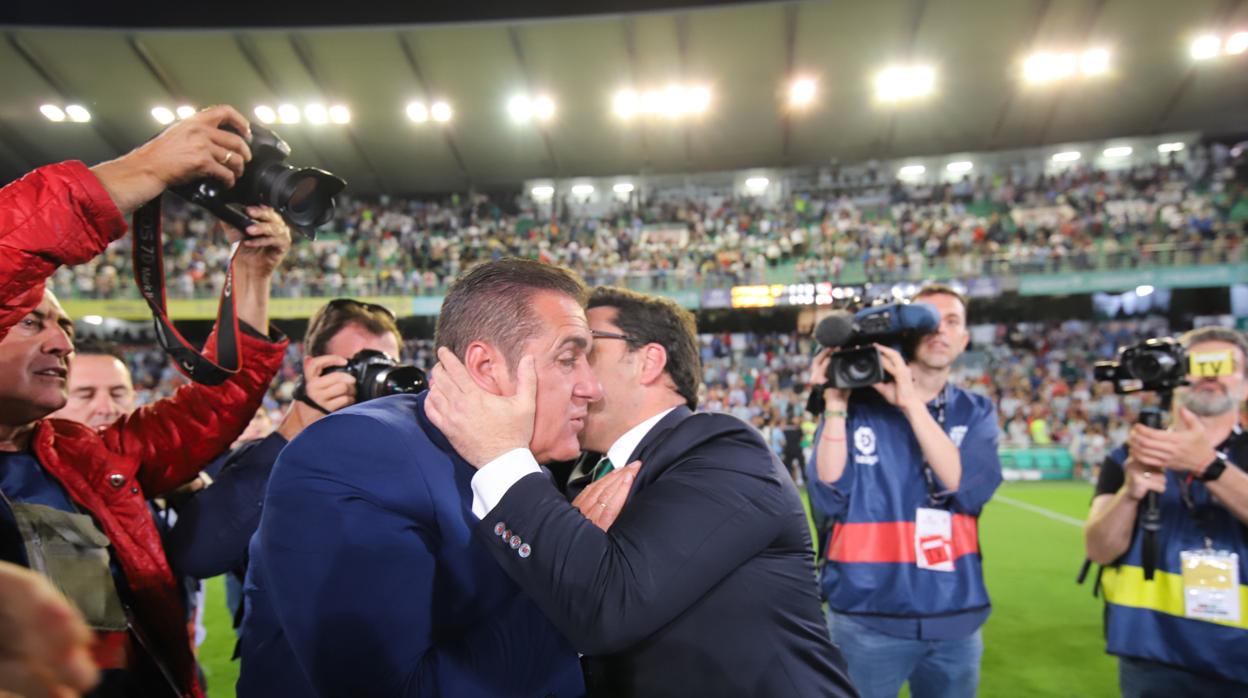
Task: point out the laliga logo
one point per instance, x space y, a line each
864 441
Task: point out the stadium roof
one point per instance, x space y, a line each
745 53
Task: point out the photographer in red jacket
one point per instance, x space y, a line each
73 500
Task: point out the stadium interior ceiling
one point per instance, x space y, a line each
478 59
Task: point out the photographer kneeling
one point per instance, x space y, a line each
215 526
903 469
1184 632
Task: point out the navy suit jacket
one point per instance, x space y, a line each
704 586
365 578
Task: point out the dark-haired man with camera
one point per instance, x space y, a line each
215 526
1185 632
903 469
74 503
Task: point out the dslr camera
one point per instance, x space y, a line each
1154 365
304 196
377 375
857 364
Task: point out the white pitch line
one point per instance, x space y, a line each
1039 510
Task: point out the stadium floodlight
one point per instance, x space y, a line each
340 114
542 192
626 104
802 92
288 114
1170 147
316 114
162 115
265 114
1094 61
582 189
77 113
698 99
520 108
1236 43
757 185
1118 151
52 112
1144 290
1048 67
960 166
1205 47
911 171
417 112
623 188
900 83
441 112
1067 156
185 111
543 108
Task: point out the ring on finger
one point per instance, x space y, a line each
226 160
602 504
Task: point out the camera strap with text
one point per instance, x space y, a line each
149 276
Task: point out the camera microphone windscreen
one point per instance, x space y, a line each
835 329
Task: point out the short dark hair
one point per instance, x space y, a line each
331 318
659 320
100 347
934 289
1214 333
493 302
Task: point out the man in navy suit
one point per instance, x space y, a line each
705 584
365 577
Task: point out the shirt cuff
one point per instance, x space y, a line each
496 477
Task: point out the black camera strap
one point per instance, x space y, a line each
149 275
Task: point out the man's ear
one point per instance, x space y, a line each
488 368
653 363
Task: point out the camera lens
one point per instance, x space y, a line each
860 368
301 198
1151 366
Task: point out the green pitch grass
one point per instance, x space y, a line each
1044 637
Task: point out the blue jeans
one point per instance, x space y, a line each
879 664
1138 678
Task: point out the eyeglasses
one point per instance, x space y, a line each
339 303
599 334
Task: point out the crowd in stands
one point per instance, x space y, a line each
838 228
1039 376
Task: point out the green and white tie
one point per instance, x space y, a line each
600 471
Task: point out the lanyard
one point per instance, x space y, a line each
935 496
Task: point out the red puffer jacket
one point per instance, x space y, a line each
60 214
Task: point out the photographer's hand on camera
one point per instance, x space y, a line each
332 391
1141 479
900 392
1184 447
262 250
190 149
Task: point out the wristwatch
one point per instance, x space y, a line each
1213 471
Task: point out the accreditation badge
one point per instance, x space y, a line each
933 539
1211 585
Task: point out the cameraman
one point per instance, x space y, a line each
1164 646
75 498
902 573
215 525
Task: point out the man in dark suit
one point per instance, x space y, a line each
365 577
705 584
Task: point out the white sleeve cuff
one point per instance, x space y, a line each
496 477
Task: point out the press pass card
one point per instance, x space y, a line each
1211 364
1211 585
933 540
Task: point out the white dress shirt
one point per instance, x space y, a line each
493 480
